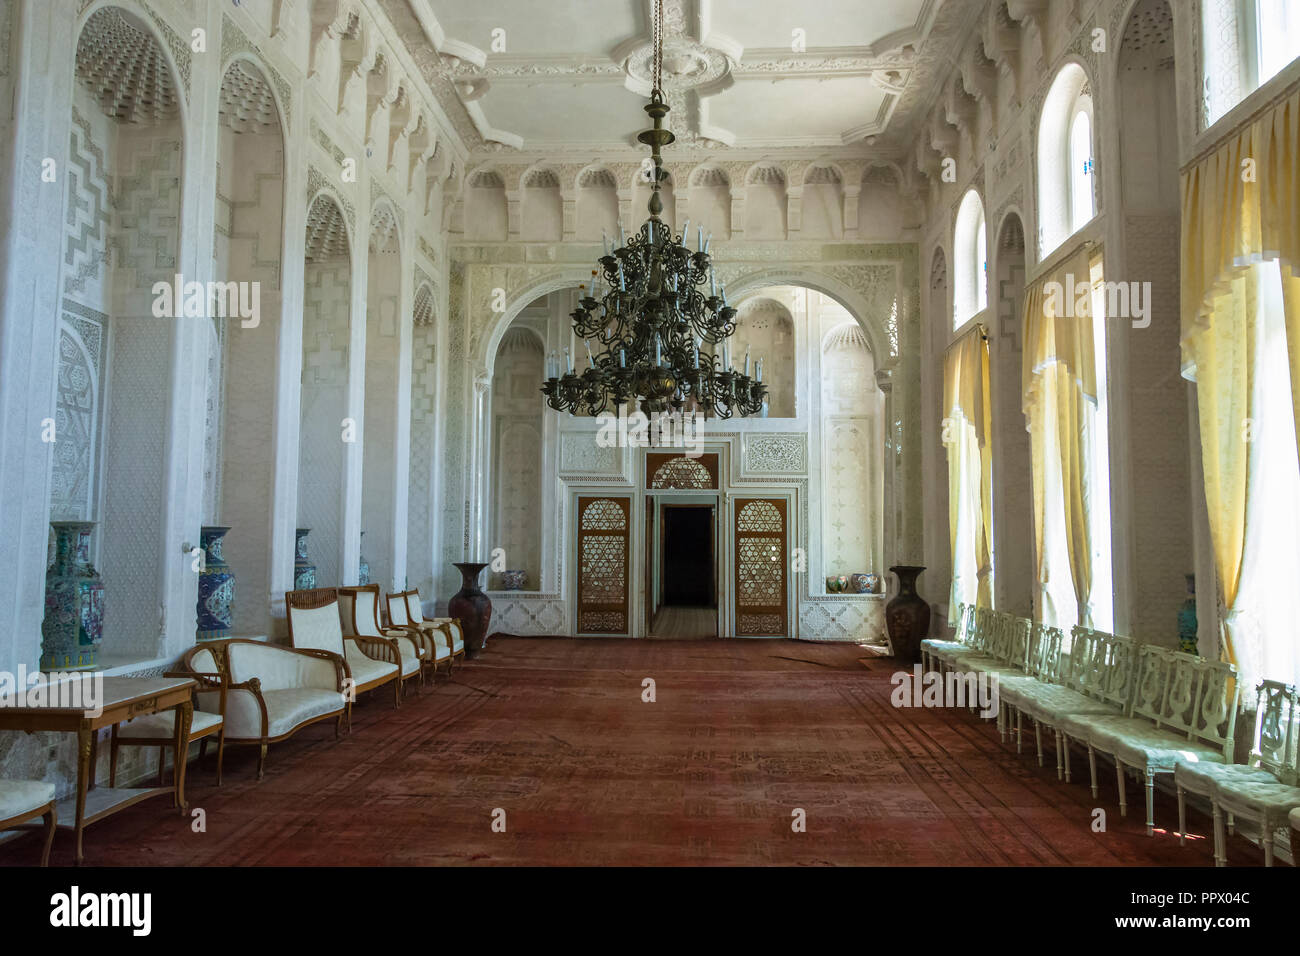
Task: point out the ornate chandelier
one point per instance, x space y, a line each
660 340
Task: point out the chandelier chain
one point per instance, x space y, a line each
658 45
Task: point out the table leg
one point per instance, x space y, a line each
184 717
85 747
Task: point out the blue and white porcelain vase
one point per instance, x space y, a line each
216 606
363 566
304 572
73 627
1187 625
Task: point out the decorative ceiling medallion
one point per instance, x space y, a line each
687 65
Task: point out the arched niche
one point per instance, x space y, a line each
852 464
709 203
880 205
1013 543
379 437
421 542
541 209
119 314
485 207
765 330
517 440
328 424
242 376
765 203
596 206
822 206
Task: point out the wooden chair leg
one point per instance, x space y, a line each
1182 817
1220 844
1059 769
338 726
1065 743
162 764
1266 837
112 758
203 750
1150 781
1018 733
397 690
51 823
261 763
1092 767
1038 739
221 751
1119 779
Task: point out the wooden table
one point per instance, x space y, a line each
122 698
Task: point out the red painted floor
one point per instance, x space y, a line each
555 734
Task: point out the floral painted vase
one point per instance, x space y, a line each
216 605
363 566
73 627
1187 624
864 583
304 572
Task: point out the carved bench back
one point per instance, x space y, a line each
1275 746
1187 695
1044 653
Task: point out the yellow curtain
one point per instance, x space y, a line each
967 432
1060 361
1240 207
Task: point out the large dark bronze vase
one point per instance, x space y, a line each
473 607
908 615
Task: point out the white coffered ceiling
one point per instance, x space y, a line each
743 74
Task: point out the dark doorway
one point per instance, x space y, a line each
688 571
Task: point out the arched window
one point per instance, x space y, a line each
1065 159
1081 201
970 254
1245 43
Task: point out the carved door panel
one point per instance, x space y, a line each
761 556
603 562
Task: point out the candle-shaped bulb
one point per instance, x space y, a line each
622 237
568 359
724 294
747 348
760 369
686 231
659 351
604 241
590 361
699 242
706 243
622 358
622 283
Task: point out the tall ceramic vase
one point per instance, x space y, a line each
216 605
908 615
363 566
74 601
1187 625
473 607
304 572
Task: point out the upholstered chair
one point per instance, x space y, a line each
157 730
430 636
359 617
24 800
370 662
270 692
